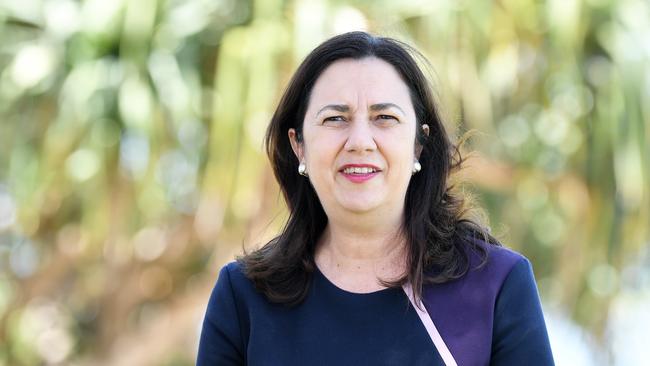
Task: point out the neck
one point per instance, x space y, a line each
348 247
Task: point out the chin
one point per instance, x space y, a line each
360 206
359 210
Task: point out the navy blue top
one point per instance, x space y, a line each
490 316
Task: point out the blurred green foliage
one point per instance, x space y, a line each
131 163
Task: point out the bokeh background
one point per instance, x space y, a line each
132 167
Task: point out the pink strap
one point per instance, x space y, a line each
431 328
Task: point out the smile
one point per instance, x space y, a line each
359 170
359 173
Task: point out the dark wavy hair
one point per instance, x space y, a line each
436 223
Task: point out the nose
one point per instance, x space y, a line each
360 137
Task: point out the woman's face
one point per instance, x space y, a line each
359 137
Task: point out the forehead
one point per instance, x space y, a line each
350 81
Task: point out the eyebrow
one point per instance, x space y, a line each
375 107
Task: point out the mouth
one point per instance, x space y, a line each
354 169
359 173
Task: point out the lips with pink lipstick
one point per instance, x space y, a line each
359 173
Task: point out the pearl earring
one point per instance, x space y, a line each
416 167
302 169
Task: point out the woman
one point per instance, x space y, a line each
377 264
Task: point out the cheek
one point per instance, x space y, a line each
398 149
322 149
402 162
321 160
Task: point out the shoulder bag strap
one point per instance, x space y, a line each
431 328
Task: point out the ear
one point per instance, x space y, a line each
296 146
418 147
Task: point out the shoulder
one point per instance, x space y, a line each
489 267
499 262
232 290
242 289
233 271
476 292
232 276
228 284
464 309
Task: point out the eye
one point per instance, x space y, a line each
334 119
387 119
